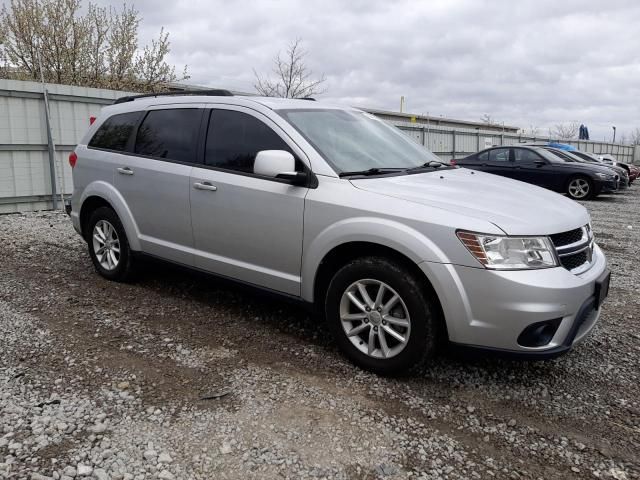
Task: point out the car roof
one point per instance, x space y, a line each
275 103
271 103
531 147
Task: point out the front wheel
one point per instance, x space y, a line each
580 188
381 315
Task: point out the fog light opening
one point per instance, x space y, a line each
539 334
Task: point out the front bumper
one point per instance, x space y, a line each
489 309
607 186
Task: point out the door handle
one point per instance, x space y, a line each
125 171
205 186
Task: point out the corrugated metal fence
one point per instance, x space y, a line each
450 143
25 178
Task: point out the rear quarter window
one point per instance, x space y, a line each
114 133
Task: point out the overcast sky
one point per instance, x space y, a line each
525 63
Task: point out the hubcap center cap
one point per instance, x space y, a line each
375 318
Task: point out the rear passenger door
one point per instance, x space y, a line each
500 162
477 161
246 226
154 180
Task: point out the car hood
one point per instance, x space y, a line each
589 167
515 207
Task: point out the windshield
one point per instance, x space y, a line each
353 141
565 155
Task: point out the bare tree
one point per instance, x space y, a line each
291 76
635 136
487 119
81 45
534 131
565 131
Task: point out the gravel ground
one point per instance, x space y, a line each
182 376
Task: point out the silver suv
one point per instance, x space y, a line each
329 205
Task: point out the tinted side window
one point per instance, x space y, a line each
114 133
170 134
499 155
483 157
235 138
523 155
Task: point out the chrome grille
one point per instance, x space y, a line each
574 249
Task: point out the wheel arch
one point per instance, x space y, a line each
101 194
90 205
343 253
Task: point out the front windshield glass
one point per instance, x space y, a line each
356 141
551 156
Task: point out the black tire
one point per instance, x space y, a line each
422 341
581 178
124 270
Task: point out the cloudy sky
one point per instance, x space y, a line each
527 63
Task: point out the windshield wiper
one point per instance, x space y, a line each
429 164
370 171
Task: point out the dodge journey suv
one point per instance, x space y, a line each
334 207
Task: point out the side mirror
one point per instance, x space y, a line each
278 164
540 163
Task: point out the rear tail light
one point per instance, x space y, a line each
91 120
453 162
73 158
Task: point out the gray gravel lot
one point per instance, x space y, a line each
103 380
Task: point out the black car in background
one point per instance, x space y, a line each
592 158
572 156
581 181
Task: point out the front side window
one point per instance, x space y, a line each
170 134
114 133
352 140
499 155
234 139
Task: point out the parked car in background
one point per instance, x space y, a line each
536 165
335 208
608 159
571 156
632 170
611 160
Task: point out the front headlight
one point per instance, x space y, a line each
606 176
509 253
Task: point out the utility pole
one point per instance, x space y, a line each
52 165
402 104
614 134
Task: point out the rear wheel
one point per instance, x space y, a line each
580 188
381 316
108 245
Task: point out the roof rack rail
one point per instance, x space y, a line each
206 93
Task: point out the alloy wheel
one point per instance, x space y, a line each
375 318
106 245
579 188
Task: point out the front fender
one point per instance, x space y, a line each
397 236
107 192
